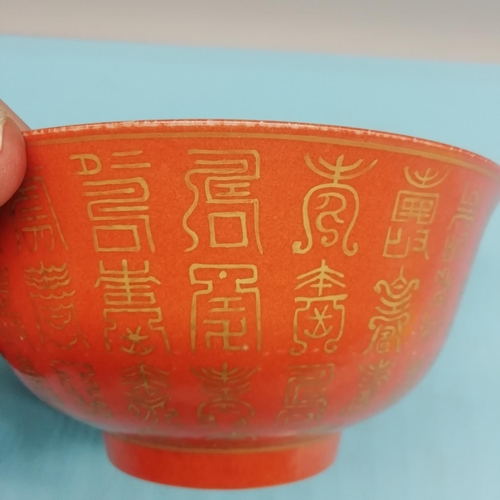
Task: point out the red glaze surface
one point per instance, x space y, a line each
222 298
254 466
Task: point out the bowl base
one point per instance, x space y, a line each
254 466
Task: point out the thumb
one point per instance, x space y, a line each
12 152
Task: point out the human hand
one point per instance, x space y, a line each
12 152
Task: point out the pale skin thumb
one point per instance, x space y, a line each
12 152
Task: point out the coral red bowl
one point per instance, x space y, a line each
223 298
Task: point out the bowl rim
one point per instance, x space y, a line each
294 127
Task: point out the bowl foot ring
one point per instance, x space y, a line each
221 468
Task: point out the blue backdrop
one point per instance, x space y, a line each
440 442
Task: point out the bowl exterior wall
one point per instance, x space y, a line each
227 283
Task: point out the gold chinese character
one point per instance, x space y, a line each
130 308
78 381
419 207
427 180
321 317
332 206
36 382
443 279
433 316
461 224
226 311
53 297
26 367
306 394
90 163
373 378
418 242
412 210
126 287
393 313
148 393
225 388
125 155
120 211
221 182
11 327
35 221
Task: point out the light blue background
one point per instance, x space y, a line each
440 442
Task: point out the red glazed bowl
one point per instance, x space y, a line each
223 298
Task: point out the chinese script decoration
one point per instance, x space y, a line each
330 210
413 214
224 212
320 313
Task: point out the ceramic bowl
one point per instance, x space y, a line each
222 298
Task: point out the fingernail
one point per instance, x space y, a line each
5 110
3 120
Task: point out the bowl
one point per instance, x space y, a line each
222 298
